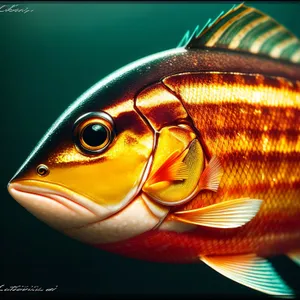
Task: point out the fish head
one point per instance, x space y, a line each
92 161
87 177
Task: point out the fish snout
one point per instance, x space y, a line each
56 206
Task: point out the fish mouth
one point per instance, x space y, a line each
56 205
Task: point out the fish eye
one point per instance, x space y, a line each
93 132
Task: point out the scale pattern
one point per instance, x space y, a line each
251 122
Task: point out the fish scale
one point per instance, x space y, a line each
249 150
279 218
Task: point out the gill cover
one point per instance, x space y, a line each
178 157
177 166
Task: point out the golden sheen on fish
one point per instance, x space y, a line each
188 155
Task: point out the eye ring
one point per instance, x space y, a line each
93 133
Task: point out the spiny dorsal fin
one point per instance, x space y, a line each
246 29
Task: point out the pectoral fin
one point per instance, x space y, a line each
211 176
250 270
228 214
172 169
174 178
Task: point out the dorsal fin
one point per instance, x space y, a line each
245 29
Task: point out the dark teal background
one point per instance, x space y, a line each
48 58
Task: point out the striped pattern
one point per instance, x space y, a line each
246 29
257 137
251 123
221 88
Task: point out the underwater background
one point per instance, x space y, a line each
49 56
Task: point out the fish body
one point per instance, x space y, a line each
259 144
186 155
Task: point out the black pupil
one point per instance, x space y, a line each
94 135
42 170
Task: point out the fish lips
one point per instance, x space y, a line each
55 205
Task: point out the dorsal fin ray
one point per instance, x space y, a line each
245 29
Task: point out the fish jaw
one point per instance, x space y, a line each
55 205
82 219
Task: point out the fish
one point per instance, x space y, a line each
187 155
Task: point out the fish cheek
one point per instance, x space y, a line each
109 179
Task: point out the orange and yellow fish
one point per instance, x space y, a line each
188 155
